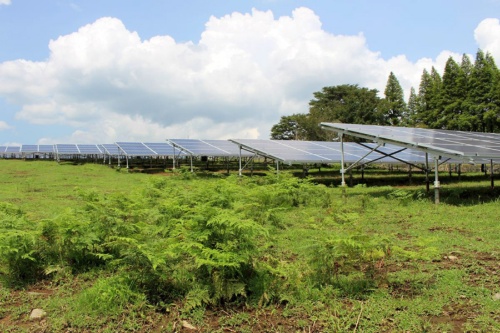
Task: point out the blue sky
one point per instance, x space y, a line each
106 71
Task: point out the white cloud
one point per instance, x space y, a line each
4 126
5 2
246 71
487 35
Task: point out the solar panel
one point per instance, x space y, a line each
214 148
29 149
229 147
3 149
135 149
89 149
46 149
13 149
456 144
282 150
163 148
67 149
290 151
110 149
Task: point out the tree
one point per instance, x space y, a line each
344 104
429 95
394 107
290 128
482 101
413 107
453 96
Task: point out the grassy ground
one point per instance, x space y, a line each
369 258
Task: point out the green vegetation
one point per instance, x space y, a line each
103 250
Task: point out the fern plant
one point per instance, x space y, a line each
222 245
20 261
349 254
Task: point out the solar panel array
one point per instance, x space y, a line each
214 148
78 149
298 152
458 144
147 149
408 145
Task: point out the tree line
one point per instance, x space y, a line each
466 97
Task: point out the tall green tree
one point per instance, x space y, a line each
413 109
393 108
464 119
453 96
291 127
429 95
422 114
482 98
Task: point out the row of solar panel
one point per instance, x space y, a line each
285 151
458 144
186 147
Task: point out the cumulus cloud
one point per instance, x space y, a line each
5 2
4 126
487 35
245 72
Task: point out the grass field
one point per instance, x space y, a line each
103 250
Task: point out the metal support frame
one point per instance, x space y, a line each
391 155
362 158
241 167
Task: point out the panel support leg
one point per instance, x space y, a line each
427 181
491 175
342 164
239 161
437 185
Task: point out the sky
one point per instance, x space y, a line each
98 71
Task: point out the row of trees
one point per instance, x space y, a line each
466 97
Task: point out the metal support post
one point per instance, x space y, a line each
239 171
427 181
491 175
342 169
437 185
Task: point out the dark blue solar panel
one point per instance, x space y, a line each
29 149
67 149
110 149
13 149
89 149
163 148
229 147
46 149
135 149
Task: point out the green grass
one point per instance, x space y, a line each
113 251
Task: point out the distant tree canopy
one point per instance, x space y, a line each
466 97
